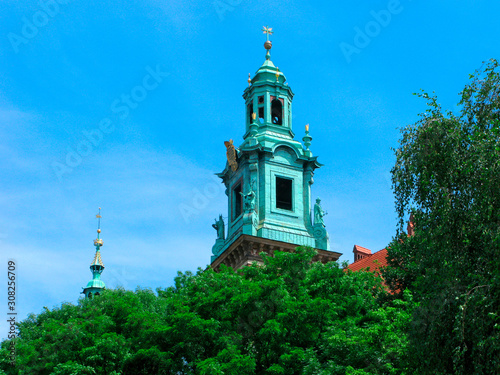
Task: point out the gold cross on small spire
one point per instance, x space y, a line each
98 216
267 30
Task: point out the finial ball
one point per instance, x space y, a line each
268 45
98 231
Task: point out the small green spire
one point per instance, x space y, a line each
96 285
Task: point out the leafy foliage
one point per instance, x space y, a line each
292 316
447 174
288 316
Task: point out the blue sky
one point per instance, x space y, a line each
69 73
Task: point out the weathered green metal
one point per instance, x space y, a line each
96 285
269 151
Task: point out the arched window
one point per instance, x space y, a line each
237 201
90 295
249 112
97 294
260 101
277 112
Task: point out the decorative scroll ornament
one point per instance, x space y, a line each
231 155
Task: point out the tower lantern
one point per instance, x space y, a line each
268 179
96 285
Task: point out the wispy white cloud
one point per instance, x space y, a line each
49 226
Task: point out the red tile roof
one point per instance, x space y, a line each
374 261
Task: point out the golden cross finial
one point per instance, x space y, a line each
267 30
98 241
98 216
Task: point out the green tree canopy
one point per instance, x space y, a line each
288 316
447 174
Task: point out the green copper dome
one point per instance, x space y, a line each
96 283
267 73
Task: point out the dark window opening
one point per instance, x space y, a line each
250 111
277 112
261 115
284 193
97 294
237 201
261 99
90 295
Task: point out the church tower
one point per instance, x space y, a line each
96 285
268 179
